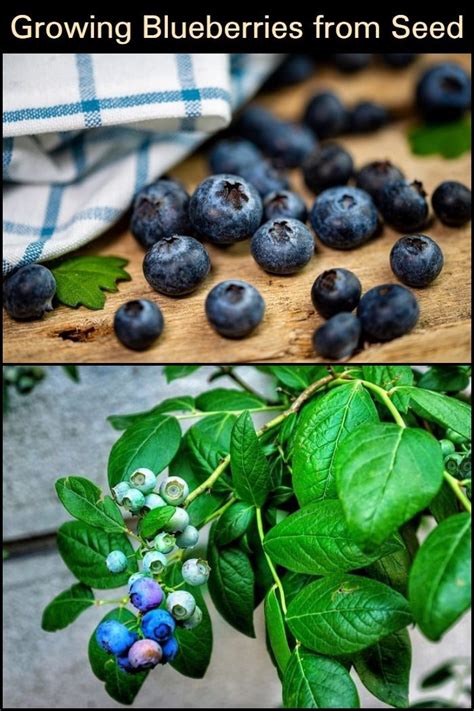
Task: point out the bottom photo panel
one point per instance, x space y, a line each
268 536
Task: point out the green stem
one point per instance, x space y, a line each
229 371
382 395
195 414
219 511
117 601
273 571
455 486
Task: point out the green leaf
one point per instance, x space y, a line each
297 377
83 500
385 475
66 607
294 582
234 522
341 614
438 676
449 140
195 645
120 685
440 579
154 520
314 682
84 550
183 403
222 399
97 656
231 585
384 669
392 569
316 540
150 443
445 378
388 377
442 409
173 372
250 469
444 504
72 371
323 426
275 624
83 280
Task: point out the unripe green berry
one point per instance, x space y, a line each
178 521
153 501
116 561
143 479
195 571
181 604
133 500
447 447
174 490
119 491
154 562
194 620
456 437
188 538
164 542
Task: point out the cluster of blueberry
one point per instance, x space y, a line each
151 641
457 457
22 377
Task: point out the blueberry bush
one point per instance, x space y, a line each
346 514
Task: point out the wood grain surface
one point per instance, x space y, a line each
441 335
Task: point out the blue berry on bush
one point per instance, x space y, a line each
326 115
164 542
231 155
195 571
344 217
282 246
176 265
335 290
154 562
160 210
374 176
133 500
143 479
158 625
338 337
144 654
116 562
416 260
181 604
119 491
28 292
124 663
328 165
388 311
403 205
443 92
452 203
138 323
146 594
137 576
170 649
188 538
284 203
174 490
113 637
193 621
178 521
234 308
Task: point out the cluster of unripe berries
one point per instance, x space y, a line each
22 377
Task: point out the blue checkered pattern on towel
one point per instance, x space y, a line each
84 132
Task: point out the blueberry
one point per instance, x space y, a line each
178 521
416 260
195 571
284 203
338 337
373 177
351 62
447 447
294 69
28 292
164 542
344 217
153 501
327 166
124 663
144 654
188 538
193 621
286 143
181 604
174 490
170 649
143 479
146 594
388 311
176 265
158 625
326 115
367 116
119 491
264 177
113 637
335 290
137 324
116 562
225 208
136 576
160 210
403 205
282 246
452 203
399 60
231 155
443 93
234 308
133 500
154 562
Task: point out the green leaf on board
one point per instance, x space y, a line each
450 140
83 280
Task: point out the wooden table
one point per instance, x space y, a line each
441 335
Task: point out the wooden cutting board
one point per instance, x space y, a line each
441 335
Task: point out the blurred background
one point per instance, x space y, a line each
60 428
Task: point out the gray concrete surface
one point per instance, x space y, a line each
61 429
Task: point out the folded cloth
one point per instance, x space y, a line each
84 132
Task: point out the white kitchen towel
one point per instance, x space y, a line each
84 132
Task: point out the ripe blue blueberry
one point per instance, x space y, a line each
335 290
195 571
174 490
452 203
282 246
170 649
154 562
234 308
124 663
116 562
388 311
119 491
284 203
158 625
181 604
350 63
178 521
326 115
138 323
264 177
344 217
176 265
399 60
143 479
133 500
193 621
416 260
231 155
403 205
188 538
144 654
328 165
160 210
338 337
374 176
136 576
225 208
28 292
153 501
113 637
146 594
164 542
443 92
367 116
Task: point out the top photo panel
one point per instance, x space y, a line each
236 208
